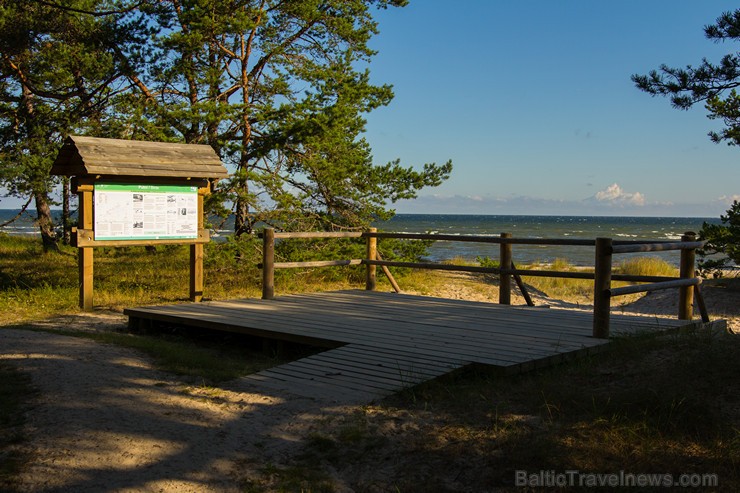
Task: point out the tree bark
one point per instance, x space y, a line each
66 222
242 225
45 222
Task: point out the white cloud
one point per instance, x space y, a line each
728 199
612 201
614 194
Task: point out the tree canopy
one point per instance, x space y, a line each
710 83
279 89
715 85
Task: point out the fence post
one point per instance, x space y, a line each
268 263
372 254
687 270
602 284
504 289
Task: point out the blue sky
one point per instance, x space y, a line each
533 102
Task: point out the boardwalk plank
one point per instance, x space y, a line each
486 351
361 329
357 370
380 343
329 380
364 361
567 321
271 384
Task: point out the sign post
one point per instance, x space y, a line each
137 193
85 254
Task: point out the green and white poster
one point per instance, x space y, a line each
145 212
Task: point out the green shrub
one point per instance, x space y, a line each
722 250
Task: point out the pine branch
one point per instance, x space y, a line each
92 13
23 209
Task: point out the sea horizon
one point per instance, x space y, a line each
519 225
59 211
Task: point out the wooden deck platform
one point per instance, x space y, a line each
380 342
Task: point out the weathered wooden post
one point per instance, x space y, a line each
602 285
268 263
372 254
687 269
196 256
85 257
504 290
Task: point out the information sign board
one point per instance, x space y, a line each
145 212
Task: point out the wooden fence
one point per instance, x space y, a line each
604 250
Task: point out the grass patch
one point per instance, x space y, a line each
350 442
35 285
581 290
429 282
578 290
206 357
424 282
15 391
646 266
560 288
213 360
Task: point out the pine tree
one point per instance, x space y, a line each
714 85
60 65
278 90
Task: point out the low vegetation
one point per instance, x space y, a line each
581 290
36 285
646 266
202 357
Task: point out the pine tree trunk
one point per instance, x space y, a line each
242 225
66 222
45 222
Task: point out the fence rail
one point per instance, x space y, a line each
603 275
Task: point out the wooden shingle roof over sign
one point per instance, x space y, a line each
86 156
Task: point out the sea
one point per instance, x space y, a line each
562 227
544 226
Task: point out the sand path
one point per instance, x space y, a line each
106 420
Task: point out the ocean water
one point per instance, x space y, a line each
572 227
24 225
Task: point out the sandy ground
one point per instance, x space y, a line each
105 420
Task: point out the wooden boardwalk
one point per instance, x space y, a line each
380 343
